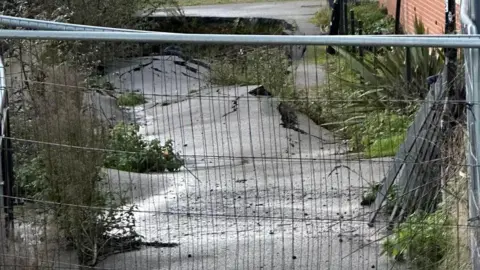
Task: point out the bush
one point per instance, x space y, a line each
132 153
375 18
31 177
130 99
422 239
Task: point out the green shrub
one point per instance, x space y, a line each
422 239
383 81
374 17
30 178
131 152
130 99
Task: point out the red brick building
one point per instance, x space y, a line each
431 12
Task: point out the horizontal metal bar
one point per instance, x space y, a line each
59 26
438 36
366 40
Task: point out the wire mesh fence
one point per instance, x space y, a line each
142 155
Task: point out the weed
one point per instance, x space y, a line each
379 134
257 66
422 239
130 99
131 152
385 147
369 197
322 18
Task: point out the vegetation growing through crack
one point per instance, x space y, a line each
131 152
268 67
421 239
370 195
130 99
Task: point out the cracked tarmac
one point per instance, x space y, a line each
255 196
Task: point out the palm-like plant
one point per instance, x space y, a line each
383 82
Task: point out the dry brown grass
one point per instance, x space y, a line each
73 161
68 137
455 202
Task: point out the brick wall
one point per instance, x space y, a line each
431 12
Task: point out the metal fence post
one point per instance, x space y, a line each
476 257
5 179
469 14
7 167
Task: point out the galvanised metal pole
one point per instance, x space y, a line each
59 26
472 85
475 14
4 200
366 40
